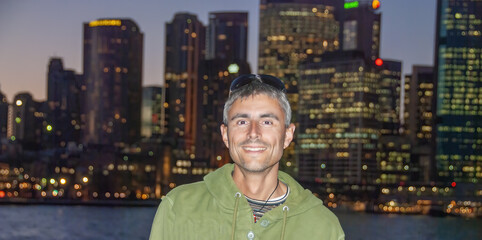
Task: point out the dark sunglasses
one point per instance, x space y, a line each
244 80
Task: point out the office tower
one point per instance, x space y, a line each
458 54
185 46
361 29
291 31
3 120
63 99
339 123
3 116
419 119
27 120
227 36
419 94
113 51
151 112
389 96
226 49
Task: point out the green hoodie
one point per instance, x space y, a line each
215 209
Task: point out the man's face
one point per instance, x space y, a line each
256 134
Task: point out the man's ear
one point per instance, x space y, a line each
289 134
224 134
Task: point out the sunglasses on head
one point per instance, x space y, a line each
244 80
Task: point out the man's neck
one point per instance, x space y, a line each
259 185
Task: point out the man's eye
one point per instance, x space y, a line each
266 122
242 122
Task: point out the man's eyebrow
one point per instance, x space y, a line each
269 115
240 115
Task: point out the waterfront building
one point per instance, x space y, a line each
389 95
151 112
227 36
394 160
3 116
291 31
3 121
185 50
27 123
339 124
64 104
458 74
112 66
419 123
361 29
226 41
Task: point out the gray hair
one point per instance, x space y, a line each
255 88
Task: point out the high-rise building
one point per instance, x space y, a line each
291 31
226 49
339 124
361 29
3 116
389 96
419 123
3 120
27 121
227 36
458 71
64 101
185 50
113 51
151 112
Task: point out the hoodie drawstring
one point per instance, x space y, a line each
285 216
237 196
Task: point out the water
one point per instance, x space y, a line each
42 222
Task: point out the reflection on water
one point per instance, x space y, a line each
41 222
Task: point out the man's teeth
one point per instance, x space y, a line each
255 148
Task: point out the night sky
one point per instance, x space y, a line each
32 31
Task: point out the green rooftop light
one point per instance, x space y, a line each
354 4
233 68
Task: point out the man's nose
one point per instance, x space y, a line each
254 131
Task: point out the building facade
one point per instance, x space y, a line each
113 50
458 71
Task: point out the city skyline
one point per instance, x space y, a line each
58 33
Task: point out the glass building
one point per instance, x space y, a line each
112 65
458 70
151 112
184 56
339 124
64 104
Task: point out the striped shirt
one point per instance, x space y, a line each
260 207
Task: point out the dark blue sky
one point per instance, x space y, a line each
32 31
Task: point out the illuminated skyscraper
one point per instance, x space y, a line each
291 31
3 116
339 125
361 29
226 41
27 120
389 96
63 99
151 112
458 71
227 36
185 47
113 51
419 123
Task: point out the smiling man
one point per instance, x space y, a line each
250 199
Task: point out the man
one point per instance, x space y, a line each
249 199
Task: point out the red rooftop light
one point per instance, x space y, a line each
375 4
379 62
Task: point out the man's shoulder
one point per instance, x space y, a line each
187 190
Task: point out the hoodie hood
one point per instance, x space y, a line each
221 186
